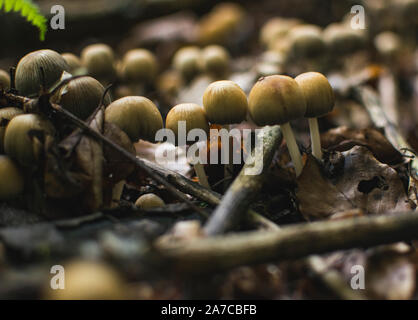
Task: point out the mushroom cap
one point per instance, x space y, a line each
193 114
72 60
215 59
4 80
276 99
388 43
149 200
276 28
6 114
138 116
81 96
187 61
99 60
29 75
89 280
318 93
306 40
139 65
18 140
12 180
225 102
341 38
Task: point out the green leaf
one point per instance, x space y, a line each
28 10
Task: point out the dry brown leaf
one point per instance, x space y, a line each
362 183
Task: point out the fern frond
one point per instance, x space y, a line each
28 10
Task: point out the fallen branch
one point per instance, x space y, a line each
245 188
211 197
293 242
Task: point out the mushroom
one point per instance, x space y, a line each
74 63
21 137
4 80
6 114
42 67
278 99
81 96
12 180
276 28
306 40
99 60
320 99
195 118
187 61
149 201
215 60
138 116
340 38
225 103
139 66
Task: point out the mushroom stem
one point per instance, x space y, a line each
292 147
229 167
315 138
200 172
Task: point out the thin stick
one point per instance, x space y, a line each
209 196
292 147
201 174
245 188
293 242
315 138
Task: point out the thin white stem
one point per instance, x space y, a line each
315 138
200 172
292 147
229 167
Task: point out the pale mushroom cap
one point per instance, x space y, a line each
139 65
138 116
88 280
193 114
306 40
388 43
12 180
225 102
72 60
215 59
318 93
149 200
6 114
276 28
29 75
81 96
276 99
342 38
4 80
17 139
187 61
99 60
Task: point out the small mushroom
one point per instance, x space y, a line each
149 201
73 62
81 96
275 100
42 67
6 114
21 139
4 80
138 116
215 60
320 99
99 60
225 103
195 118
340 38
12 180
306 41
276 28
139 66
187 61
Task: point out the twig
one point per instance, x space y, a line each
211 197
245 187
293 242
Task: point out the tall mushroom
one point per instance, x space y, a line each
275 100
195 118
225 103
320 99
